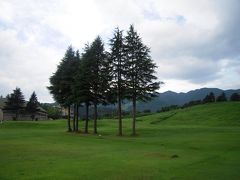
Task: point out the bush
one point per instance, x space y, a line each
235 97
209 98
192 103
221 98
147 111
168 108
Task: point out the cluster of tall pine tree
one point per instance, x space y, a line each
100 77
16 103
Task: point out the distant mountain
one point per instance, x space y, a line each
172 98
167 98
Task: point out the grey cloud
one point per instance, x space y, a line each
172 45
225 42
197 50
194 70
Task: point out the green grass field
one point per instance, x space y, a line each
201 142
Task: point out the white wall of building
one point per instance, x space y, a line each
1 115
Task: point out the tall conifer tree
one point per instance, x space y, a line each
93 78
221 97
97 57
61 81
77 103
32 105
15 101
141 81
81 86
117 57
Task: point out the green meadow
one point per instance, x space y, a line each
200 142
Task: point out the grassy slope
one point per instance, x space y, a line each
213 114
205 139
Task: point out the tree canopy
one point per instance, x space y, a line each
235 97
140 74
101 77
15 101
32 105
221 97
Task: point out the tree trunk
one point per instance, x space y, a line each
69 119
77 119
134 117
119 99
74 117
17 112
86 121
33 117
119 116
95 118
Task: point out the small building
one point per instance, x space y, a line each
8 114
2 104
1 115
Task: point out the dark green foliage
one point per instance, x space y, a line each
117 56
99 77
192 103
75 100
140 79
235 97
92 80
221 98
53 110
32 105
169 108
62 80
209 98
54 113
140 68
173 107
15 101
147 111
82 83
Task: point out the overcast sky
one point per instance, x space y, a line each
194 43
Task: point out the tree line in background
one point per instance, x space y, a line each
99 77
209 98
54 111
16 102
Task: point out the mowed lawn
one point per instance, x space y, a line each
201 142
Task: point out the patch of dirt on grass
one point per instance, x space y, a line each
174 156
163 118
194 148
156 154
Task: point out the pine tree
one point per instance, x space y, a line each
81 85
206 99
209 98
235 97
222 97
97 82
91 82
141 82
61 81
117 57
77 103
15 101
212 97
32 105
